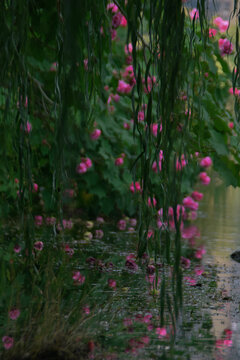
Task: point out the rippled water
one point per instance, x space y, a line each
219 222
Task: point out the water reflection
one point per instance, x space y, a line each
220 229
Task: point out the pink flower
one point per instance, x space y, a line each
154 128
100 220
206 162
135 187
99 234
141 115
152 201
123 87
231 125
112 283
115 97
225 46
81 168
116 20
95 134
189 203
113 34
122 224
7 342
221 24
199 270
161 332
68 250
190 281
200 252
212 32
38 245
128 49
119 161
194 14
38 220
54 66
190 232
123 22
17 249
197 196
35 187
204 178
78 278
86 309
14 314
28 127
127 322
131 265
235 92
88 162
126 126
112 7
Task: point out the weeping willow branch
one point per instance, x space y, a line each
40 87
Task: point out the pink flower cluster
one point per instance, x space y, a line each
78 278
95 134
194 13
221 24
84 165
225 47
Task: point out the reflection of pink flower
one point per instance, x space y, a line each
185 262
194 14
212 32
7 342
200 252
14 314
199 270
190 281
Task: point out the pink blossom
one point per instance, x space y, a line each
113 34
78 278
197 196
128 49
154 128
145 340
14 314
17 249
119 161
86 310
131 265
212 32
194 14
81 168
88 162
199 270
99 234
7 342
128 72
231 125
141 115
190 232
152 202
112 283
235 92
126 126
225 46
200 252
181 163
116 20
147 318
150 233
112 7
38 245
122 224
38 220
123 22
54 67
190 281
206 162
221 24
95 134
115 97
204 178
189 203
68 250
135 187
28 127
156 168
123 87
161 332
